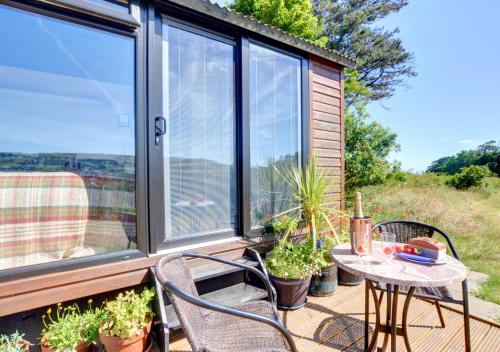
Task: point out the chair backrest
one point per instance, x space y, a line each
174 270
405 230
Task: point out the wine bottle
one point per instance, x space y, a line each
358 210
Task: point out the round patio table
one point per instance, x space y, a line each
395 273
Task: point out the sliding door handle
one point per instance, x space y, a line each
160 128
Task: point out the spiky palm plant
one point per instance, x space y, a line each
309 188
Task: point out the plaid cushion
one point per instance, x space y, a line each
43 217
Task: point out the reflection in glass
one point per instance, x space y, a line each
67 151
120 5
274 129
200 182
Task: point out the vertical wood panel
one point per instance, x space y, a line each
327 123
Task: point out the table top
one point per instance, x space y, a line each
376 267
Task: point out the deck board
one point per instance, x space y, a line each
336 323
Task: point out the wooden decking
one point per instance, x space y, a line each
336 324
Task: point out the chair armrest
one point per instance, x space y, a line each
231 311
270 289
449 241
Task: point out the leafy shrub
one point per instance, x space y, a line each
13 343
293 261
470 176
67 327
128 313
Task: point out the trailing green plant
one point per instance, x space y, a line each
129 313
13 343
67 327
470 176
291 261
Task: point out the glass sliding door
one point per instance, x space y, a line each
275 121
67 150
199 144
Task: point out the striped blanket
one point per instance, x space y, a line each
43 217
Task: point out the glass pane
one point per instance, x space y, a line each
200 181
274 129
67 156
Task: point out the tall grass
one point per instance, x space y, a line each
471 218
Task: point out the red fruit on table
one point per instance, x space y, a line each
400 249
387 250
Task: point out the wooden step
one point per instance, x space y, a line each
231 295
214 269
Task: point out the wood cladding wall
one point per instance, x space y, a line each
326 84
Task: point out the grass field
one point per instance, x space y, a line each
471 217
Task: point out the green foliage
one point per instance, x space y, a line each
367 146
293 261
68 327
487 154
310 215
350 25
309 188
284 224
128 313
470 176
13 343
293 16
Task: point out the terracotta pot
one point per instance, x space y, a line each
81 347
134 344
324 284
347 279
24 344
292 293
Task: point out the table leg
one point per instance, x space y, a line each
387 316
373 343
367 313
405 318
394 318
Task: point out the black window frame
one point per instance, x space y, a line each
196 22
101 21
157 198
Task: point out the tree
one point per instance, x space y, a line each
367 146
382 61
470 176
293 16
367 143
487 154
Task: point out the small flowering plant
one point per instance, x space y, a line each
128 314
66 328
13 343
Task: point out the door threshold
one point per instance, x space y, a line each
197 245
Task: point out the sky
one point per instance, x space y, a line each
454 102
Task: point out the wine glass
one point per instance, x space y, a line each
360 244
388 244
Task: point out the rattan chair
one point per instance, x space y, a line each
209 327
406 230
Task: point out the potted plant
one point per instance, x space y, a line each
295 263
128 321
70 330
14 343
325 282
290 272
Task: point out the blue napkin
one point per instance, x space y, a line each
417 258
